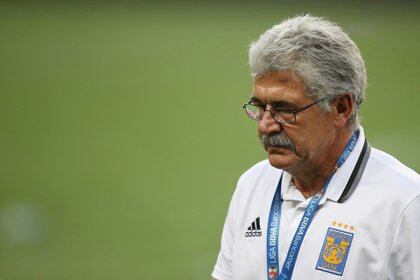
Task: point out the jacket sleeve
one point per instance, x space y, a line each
404 256
223 269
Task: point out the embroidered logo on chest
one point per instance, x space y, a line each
254 230
334 251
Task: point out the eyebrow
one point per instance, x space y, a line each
280 104
255 100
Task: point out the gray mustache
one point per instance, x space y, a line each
277 140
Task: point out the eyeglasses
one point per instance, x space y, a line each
279 114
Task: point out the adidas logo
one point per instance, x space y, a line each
254 230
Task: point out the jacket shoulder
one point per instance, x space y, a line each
392 172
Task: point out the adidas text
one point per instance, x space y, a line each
253 233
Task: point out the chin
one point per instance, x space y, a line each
282 161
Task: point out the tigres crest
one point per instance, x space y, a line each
334 251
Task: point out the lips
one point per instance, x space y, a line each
276 149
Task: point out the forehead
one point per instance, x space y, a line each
279 86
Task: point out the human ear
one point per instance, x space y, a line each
343 109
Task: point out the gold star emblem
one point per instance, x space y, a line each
352 228
340 224
345 226
334 223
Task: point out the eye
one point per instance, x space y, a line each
283 110
258 104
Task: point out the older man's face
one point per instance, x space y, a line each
296 146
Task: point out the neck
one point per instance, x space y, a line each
310 179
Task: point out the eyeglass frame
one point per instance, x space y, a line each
273 114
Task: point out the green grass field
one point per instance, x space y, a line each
123 133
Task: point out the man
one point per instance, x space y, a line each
325 205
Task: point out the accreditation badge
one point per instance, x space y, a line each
334 251
273 272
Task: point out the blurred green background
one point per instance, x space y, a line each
122 132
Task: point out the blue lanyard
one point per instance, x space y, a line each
273 227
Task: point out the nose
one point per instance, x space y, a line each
268 124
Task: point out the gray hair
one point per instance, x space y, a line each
326 60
